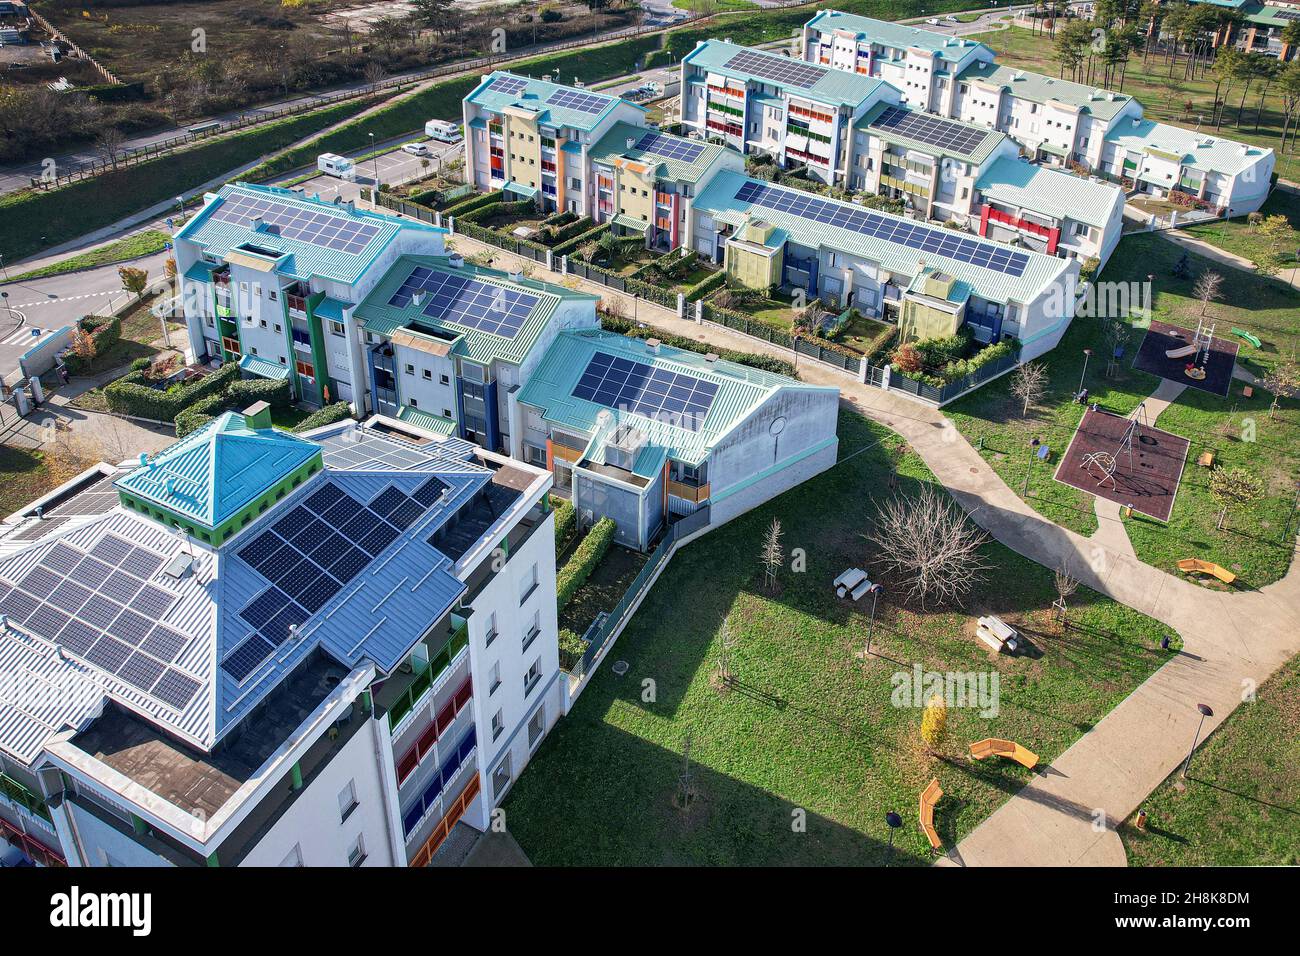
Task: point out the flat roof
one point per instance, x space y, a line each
1040 88
823 84
887 33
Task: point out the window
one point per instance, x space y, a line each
501 777
294 858
279 327
444 380
491 631
410 369
357 855
347 800
533 676
534 628
529 584
494 678
446 413
414 404
336 328
263 323
428 375
271 294
498 725
537 727
305 369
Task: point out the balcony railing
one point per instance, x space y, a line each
443 777
296 303
427 676
449 819
443 721
688 492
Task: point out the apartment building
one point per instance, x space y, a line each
531 137
920 64
257 648
642 433
270 276
645 180
756 102
447 345
885 266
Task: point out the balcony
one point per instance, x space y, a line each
443 721
402 692
689 492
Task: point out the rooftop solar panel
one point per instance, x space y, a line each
778 69
669 147
140 670
320 228
913 235
578 100
466 302
508 84
164 643
934 131
175 689
108 653
18 606
654 393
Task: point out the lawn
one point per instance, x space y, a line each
1251 541
30 474
1240 802
123 250
808 733
1238 236
1163 99
604 589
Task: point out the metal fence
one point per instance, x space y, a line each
942 394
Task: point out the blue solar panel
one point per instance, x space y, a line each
111 549
18 606
329 549
349 565
928 239
108 653
70 596
142 563
304 574
655 393
292 523
467 302
670 147
175 689
343 511
509 85
120 587
245 658
78 637
406 514
99 611
264 607
131 627
331 230
377 540
360 526
260 550
578 100
318 593
164 643
429 492
276 630
387 500
140 670
322 499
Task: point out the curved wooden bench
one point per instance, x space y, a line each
930 796
1197 566
996 747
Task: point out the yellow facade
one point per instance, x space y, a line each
754 260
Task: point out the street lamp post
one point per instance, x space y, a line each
1033 448
1087 354
893 821
374 162
1205 712
871 627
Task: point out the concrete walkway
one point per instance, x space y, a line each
1231 641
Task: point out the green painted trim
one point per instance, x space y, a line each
212 861
296 775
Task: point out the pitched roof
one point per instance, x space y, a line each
739 390
836 87
1052 192
614 146
900 35
982 150
533 96
218 469
305 258
719 200
1039 88
1198 150
383 318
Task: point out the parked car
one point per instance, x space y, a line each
416 149
934 22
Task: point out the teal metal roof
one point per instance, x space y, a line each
992 138
426 420
308 258
898 35
1052 192
263 368
1040 88
218 469
474 344
330 309
528 192
718 200
533 97
836 87
1203 151
200 272
740 389
613 146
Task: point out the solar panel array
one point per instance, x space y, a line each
356 450
932 130
102 608
337 232
578 100
656 393
913 235
466 301
669 147
1286 14
311 554
509 85
778 69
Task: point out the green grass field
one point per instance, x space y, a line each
809 731
1239 237
1240 802
1251 541
124 250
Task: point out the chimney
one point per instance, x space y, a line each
258 416
652 346
711 357
631 141
516 276
144 460
418 299
456 260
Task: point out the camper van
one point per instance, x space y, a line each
335 165
442 131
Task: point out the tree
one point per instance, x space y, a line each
1288 85
1278 237
908 358
388 33
810 317
431 13
134 280
1283 379
1066 584
1208 288
1028 384
109 144
1234 486
934 724
930 543
772 555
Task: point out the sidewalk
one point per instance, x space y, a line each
1227 638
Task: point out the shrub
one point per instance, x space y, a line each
572 647
566 519
199 414
95 336
324 416
764 363
130 396
587 235
706 285
477 201
583 561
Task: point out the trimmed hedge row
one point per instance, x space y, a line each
240 394
516 208
102 338
129 396
564 248
706 285
324 416
764 363
572 647
477 201
585 557
567 231
566 519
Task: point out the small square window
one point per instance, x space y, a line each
498 725
347 800
428 375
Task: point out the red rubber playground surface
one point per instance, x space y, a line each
1149 485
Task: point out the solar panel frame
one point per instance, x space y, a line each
510 85
937 131
669 147
175 689
638 387
18 606
78 637
164 643
108 653
141 671
579 100
291 222
778 69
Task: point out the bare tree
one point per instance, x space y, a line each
1028 384
1233 486
374 74
1283 381
685 781
1114 335
930 543
726 644
108 143
772 554
1066 584
1208 288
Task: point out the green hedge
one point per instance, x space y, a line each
199 414
324 416
572 647
589 235
567 231
477 201
129 396
706 285
583 561
764 363
521 207
103 336
566 519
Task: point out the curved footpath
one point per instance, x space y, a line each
1232 642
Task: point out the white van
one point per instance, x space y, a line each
336 165
442 131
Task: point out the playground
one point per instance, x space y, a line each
1196 357
1125 460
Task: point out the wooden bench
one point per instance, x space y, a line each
1197 566
1206 459
996 747
930 796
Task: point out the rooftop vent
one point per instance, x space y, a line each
710 357
417 299
516 276
456 261
546 77
579 83
631 141
652 346
180 566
